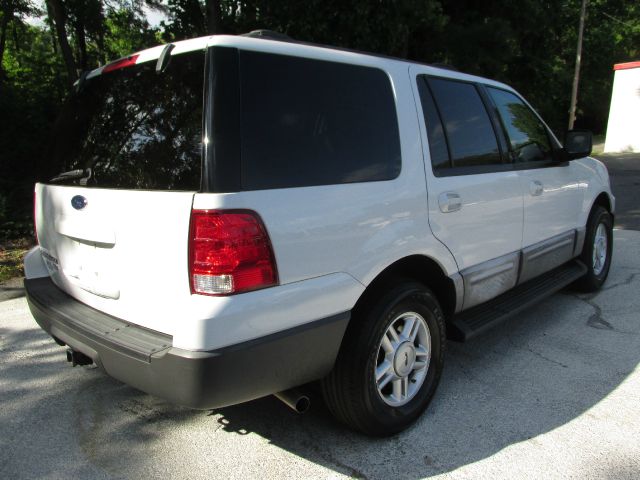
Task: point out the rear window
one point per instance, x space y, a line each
132 128
309 122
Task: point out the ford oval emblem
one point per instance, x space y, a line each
78 202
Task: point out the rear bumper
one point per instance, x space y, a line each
146 359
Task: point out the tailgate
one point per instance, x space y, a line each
126 158
125 253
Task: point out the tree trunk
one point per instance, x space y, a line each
6 17
82 44
60 20
213 17
49 22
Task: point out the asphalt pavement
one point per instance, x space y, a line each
624 170
554 393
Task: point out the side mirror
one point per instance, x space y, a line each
578 144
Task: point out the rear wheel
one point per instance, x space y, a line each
596 253
390 362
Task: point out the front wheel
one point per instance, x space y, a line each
597 250
390 362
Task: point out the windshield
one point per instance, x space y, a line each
133 128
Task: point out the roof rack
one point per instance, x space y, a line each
273 35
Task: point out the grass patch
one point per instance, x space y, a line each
11 255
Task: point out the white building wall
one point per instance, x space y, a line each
623 130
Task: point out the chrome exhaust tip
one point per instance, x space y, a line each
294 399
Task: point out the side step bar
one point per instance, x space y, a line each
477 320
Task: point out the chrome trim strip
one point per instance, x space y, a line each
581 233
458 283
547 255
489 279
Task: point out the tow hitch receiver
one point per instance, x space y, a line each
77 358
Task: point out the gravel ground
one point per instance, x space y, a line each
554 393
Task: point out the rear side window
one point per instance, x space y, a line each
435 131
527 135
135 129
467 127
308 122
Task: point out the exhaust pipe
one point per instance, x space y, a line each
77 358
294 399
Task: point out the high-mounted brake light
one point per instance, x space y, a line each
122 63
229 252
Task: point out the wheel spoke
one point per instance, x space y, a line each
421 352
393 335
383 368
419 365
410 323
386 379
386 344
401 388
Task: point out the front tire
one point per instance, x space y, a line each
597 250
390 362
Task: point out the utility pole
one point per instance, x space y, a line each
576 74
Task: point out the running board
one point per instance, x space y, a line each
477 320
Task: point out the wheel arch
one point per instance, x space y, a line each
604 201
419 268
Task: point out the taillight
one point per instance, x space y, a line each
35 206
229 252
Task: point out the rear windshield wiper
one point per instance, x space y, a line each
71 175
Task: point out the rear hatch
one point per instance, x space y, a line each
125 157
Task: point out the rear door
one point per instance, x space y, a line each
475 199
113 218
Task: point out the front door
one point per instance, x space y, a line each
552 191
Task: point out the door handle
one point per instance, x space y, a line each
449 202
536 188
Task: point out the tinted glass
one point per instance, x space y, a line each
309 122
435 132
527 134
472 141
134 128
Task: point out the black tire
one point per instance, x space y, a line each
350 391
593 281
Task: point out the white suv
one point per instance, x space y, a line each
239 215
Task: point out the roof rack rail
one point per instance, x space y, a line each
268 34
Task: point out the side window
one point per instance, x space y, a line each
435 132
467 127
309 122
527 135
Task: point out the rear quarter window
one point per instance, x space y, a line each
307 122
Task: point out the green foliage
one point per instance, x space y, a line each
126 31
529 44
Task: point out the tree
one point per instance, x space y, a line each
12 11
57 9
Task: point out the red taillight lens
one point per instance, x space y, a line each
122 63
229 252
35 225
